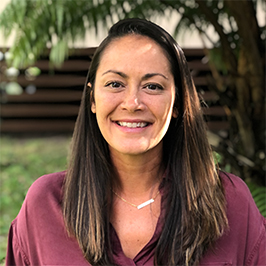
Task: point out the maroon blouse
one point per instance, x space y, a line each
38 236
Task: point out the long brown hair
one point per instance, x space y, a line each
196 212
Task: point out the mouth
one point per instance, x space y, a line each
132 125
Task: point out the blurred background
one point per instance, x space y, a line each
46 47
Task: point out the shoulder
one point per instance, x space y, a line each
38 235
43 197
246 224
52 181
236 190
231 181
40 213
238 197
45 187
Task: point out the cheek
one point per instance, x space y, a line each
167 112
165 108
97 102
103 106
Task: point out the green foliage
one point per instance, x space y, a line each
22 161
40 24
216 57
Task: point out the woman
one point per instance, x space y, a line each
141 187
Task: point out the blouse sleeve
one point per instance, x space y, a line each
15 255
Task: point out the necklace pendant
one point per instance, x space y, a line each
145 204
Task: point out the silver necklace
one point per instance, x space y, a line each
140 206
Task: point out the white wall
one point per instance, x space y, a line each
4 42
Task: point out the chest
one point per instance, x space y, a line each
134 227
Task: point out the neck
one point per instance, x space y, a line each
137 175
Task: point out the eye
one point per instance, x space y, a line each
114 84
154 87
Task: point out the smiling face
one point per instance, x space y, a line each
134 94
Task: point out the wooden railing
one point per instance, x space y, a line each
53 107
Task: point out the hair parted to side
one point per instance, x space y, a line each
196 211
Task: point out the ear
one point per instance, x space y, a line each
93 107
175 113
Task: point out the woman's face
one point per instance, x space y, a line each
134 95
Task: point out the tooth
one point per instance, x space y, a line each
132 125
143 124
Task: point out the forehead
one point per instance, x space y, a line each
134 47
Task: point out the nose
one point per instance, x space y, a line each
132 101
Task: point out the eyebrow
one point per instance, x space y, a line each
145 77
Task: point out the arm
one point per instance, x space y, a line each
15 255
258 255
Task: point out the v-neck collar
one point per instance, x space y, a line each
147 252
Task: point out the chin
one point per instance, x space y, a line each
134 150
